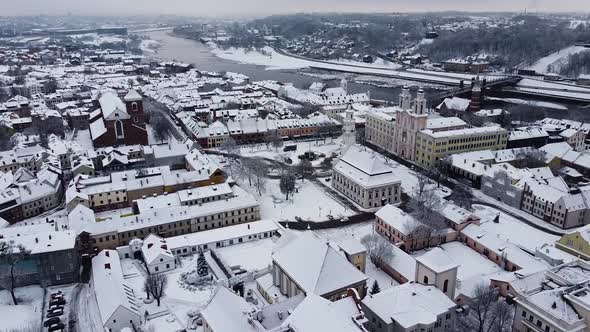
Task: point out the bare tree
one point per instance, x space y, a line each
155 284
423 181
161 126
305 167
287 182
378 248
531 157
360 136
462 196
259 179
445 165
487 312
276 140
11 255
230 146
425 209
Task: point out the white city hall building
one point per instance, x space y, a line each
365 179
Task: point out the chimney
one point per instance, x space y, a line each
107 254
36 240
107 266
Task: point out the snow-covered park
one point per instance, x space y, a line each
554 61
25 316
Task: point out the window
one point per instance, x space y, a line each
445 286
425 280
134 107
119 129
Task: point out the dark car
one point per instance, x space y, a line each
56 327
55 313
51 321
55 307
58 301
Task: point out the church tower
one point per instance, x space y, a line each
476 97
344 85
420 104
405 99
348 128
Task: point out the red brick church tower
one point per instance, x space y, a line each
121 122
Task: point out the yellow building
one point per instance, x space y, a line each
432 146
576 242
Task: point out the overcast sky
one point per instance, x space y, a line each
254 7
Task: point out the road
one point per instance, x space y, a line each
84 310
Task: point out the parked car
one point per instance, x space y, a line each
51 321
56 327
55 307
59 301
55 313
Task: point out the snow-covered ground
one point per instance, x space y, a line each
262 151
177 300
270 58
535 103
309 203
251 256
149 46
83 139
512 230
27 315
273 60
555 60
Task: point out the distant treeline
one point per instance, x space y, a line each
514 45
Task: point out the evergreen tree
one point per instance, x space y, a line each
375 288
202 268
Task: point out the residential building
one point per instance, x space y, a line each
552 200
117 303
555 300
52 259
409 307
365 179
167 222
576 242
157 256
433 146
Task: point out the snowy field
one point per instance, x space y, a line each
273 60
27 315
310 202
555 60
262 151
512 230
